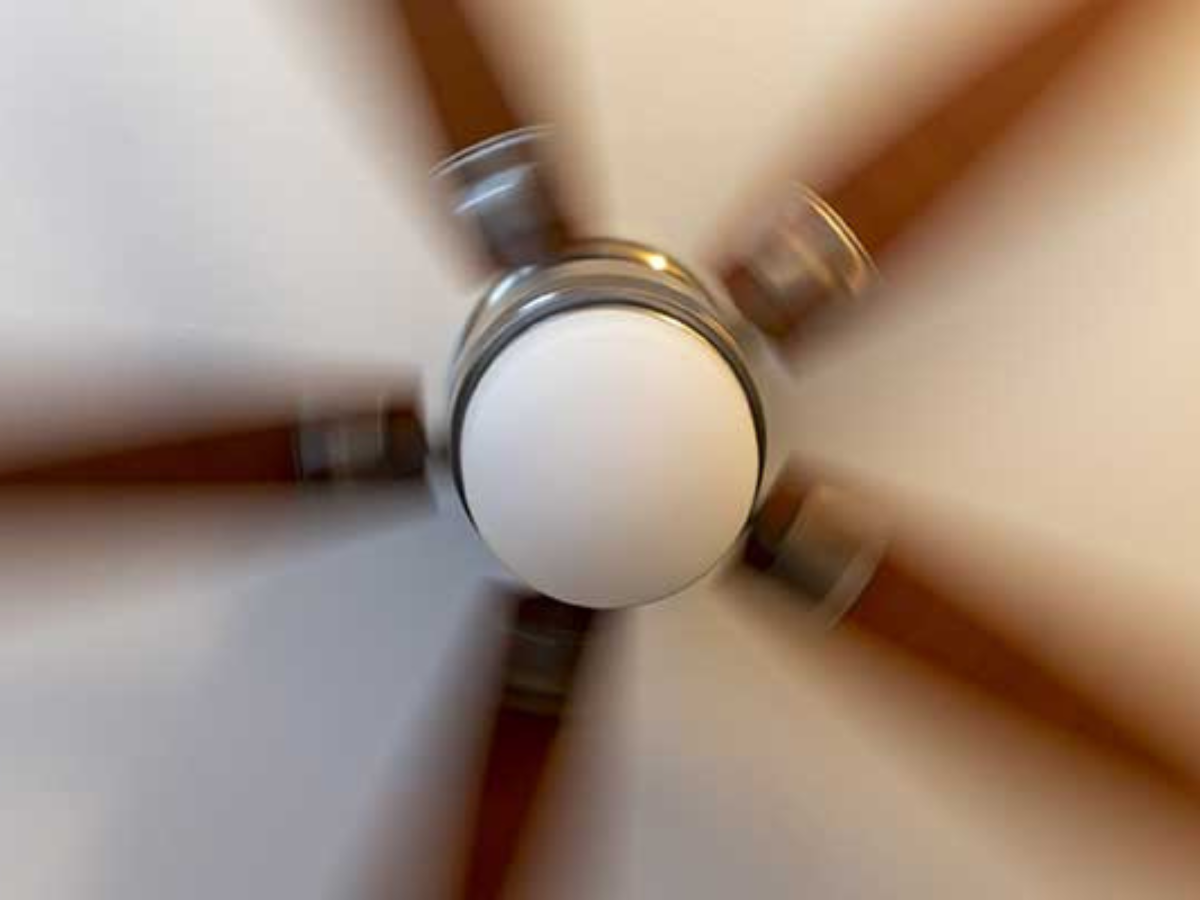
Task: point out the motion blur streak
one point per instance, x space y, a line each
248 692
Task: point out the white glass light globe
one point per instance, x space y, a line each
609 456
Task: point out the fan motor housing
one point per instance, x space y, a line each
607 438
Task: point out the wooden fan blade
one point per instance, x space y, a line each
372 444
899 608
462 85
819 542
497 167
894 186
862 214
546 642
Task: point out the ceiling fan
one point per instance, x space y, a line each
606 433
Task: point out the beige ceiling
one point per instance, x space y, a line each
177 175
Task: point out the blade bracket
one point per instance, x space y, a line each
502 189
806 257
822 541
384 445
546 644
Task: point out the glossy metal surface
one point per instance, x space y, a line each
592 274
380 445
822 541
807 257
502 190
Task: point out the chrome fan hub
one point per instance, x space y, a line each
607 438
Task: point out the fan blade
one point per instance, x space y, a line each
823 245
463 87
893 187
897 607
498 170
546 642
381 443
823 543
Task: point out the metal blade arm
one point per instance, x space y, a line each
498 172
547 641
822 246
831 550
374 444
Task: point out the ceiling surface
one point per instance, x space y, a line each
206 699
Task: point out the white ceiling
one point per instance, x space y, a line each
181 177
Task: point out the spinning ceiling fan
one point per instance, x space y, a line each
605 432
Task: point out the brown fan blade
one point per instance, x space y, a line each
820 542
893 187
498 166
463 87
372 444
546 641
821 246
896 606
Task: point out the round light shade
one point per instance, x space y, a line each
609 456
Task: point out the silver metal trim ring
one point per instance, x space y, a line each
593 275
